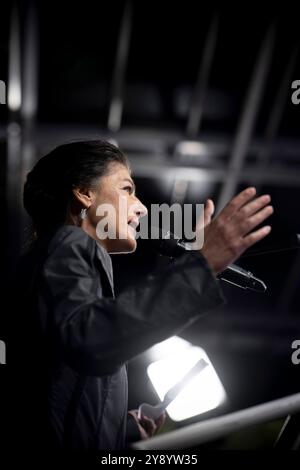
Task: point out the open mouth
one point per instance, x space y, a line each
133 224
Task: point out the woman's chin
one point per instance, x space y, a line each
127 245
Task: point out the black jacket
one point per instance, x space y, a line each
77 337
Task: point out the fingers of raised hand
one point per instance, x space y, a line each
256 236
205 218
209 209
237 202
234 232
255 205
245 224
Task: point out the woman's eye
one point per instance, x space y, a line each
128 188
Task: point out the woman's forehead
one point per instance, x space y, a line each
119 171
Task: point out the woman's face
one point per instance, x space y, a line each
115 211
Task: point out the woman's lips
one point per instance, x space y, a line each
133 223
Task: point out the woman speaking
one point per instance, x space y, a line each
73 390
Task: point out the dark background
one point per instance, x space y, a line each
70 76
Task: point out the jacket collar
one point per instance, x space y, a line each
106 263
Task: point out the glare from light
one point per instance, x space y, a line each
203 393
191 148
14 95
166 348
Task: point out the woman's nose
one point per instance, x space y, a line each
141 210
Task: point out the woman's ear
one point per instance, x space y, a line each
84 196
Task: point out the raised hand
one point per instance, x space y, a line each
229 234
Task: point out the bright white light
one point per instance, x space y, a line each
166 348
191 148
14 95
203 393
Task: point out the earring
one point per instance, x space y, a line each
82 214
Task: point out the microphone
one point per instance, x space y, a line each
172 247
238 276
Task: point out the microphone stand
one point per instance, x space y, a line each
289 436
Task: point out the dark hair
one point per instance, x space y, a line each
48 189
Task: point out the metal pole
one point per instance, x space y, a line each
14 144
289 436
30 94
180 187
116 104
245 128
264 153
197 101
215 428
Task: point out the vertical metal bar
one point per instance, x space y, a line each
197 101
264 159
116 104
181 186
30 72
245 128
30 87
264 154
14 92
14 151
30 95
289 436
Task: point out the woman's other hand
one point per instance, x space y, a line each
147 426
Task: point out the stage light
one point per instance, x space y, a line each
191 148
203 393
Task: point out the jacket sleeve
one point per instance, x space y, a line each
97 335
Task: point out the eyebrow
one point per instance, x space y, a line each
131 182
